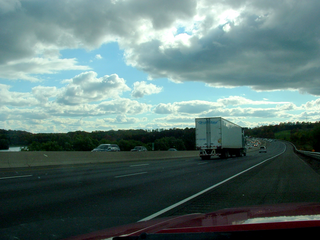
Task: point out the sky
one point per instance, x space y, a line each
157 64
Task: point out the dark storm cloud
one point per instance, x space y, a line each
266 45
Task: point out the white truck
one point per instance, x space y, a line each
216 136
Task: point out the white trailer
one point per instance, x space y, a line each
216 136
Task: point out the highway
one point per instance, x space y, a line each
59 202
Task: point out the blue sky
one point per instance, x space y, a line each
137 64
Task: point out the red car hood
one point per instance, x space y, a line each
253 218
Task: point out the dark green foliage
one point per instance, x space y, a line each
169 142
4 144
181 139
304 135
316 139
46 146
84 143
127 145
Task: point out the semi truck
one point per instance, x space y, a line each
217 136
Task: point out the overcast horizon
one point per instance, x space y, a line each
138 64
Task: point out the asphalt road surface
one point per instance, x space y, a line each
55 203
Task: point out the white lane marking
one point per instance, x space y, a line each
22 176
206 190
202 163
132 174
139 165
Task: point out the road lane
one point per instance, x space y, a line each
285 179
130 175
187 201
19 176
62 202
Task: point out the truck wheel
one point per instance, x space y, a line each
239 153
225 154
205 157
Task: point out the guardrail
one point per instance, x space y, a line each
314 155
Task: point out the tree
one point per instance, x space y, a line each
4 144
127 145
169 142
316 139
84 143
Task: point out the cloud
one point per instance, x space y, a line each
26 68
123 106
98 56
86 87
31 28
140 89
15 99
124 119
264 45
238 100
189 107
225 107
312 105
269 46
8 6
43 93
165 108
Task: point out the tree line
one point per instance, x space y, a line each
158 139
305 135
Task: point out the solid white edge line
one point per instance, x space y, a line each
132 174
15 177
206 190
202 163
140 165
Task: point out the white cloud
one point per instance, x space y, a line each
190 107
123 106
265 45
26 68
140 89
15 99
226 107
86 87
43 93
312 105
98 56
238 100
124 119
163 108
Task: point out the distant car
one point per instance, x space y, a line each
263 149
172 149
107 148
139 149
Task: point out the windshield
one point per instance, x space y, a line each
117 111
103 147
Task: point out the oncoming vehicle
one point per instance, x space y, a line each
139 149
107 148
172 149
263 150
